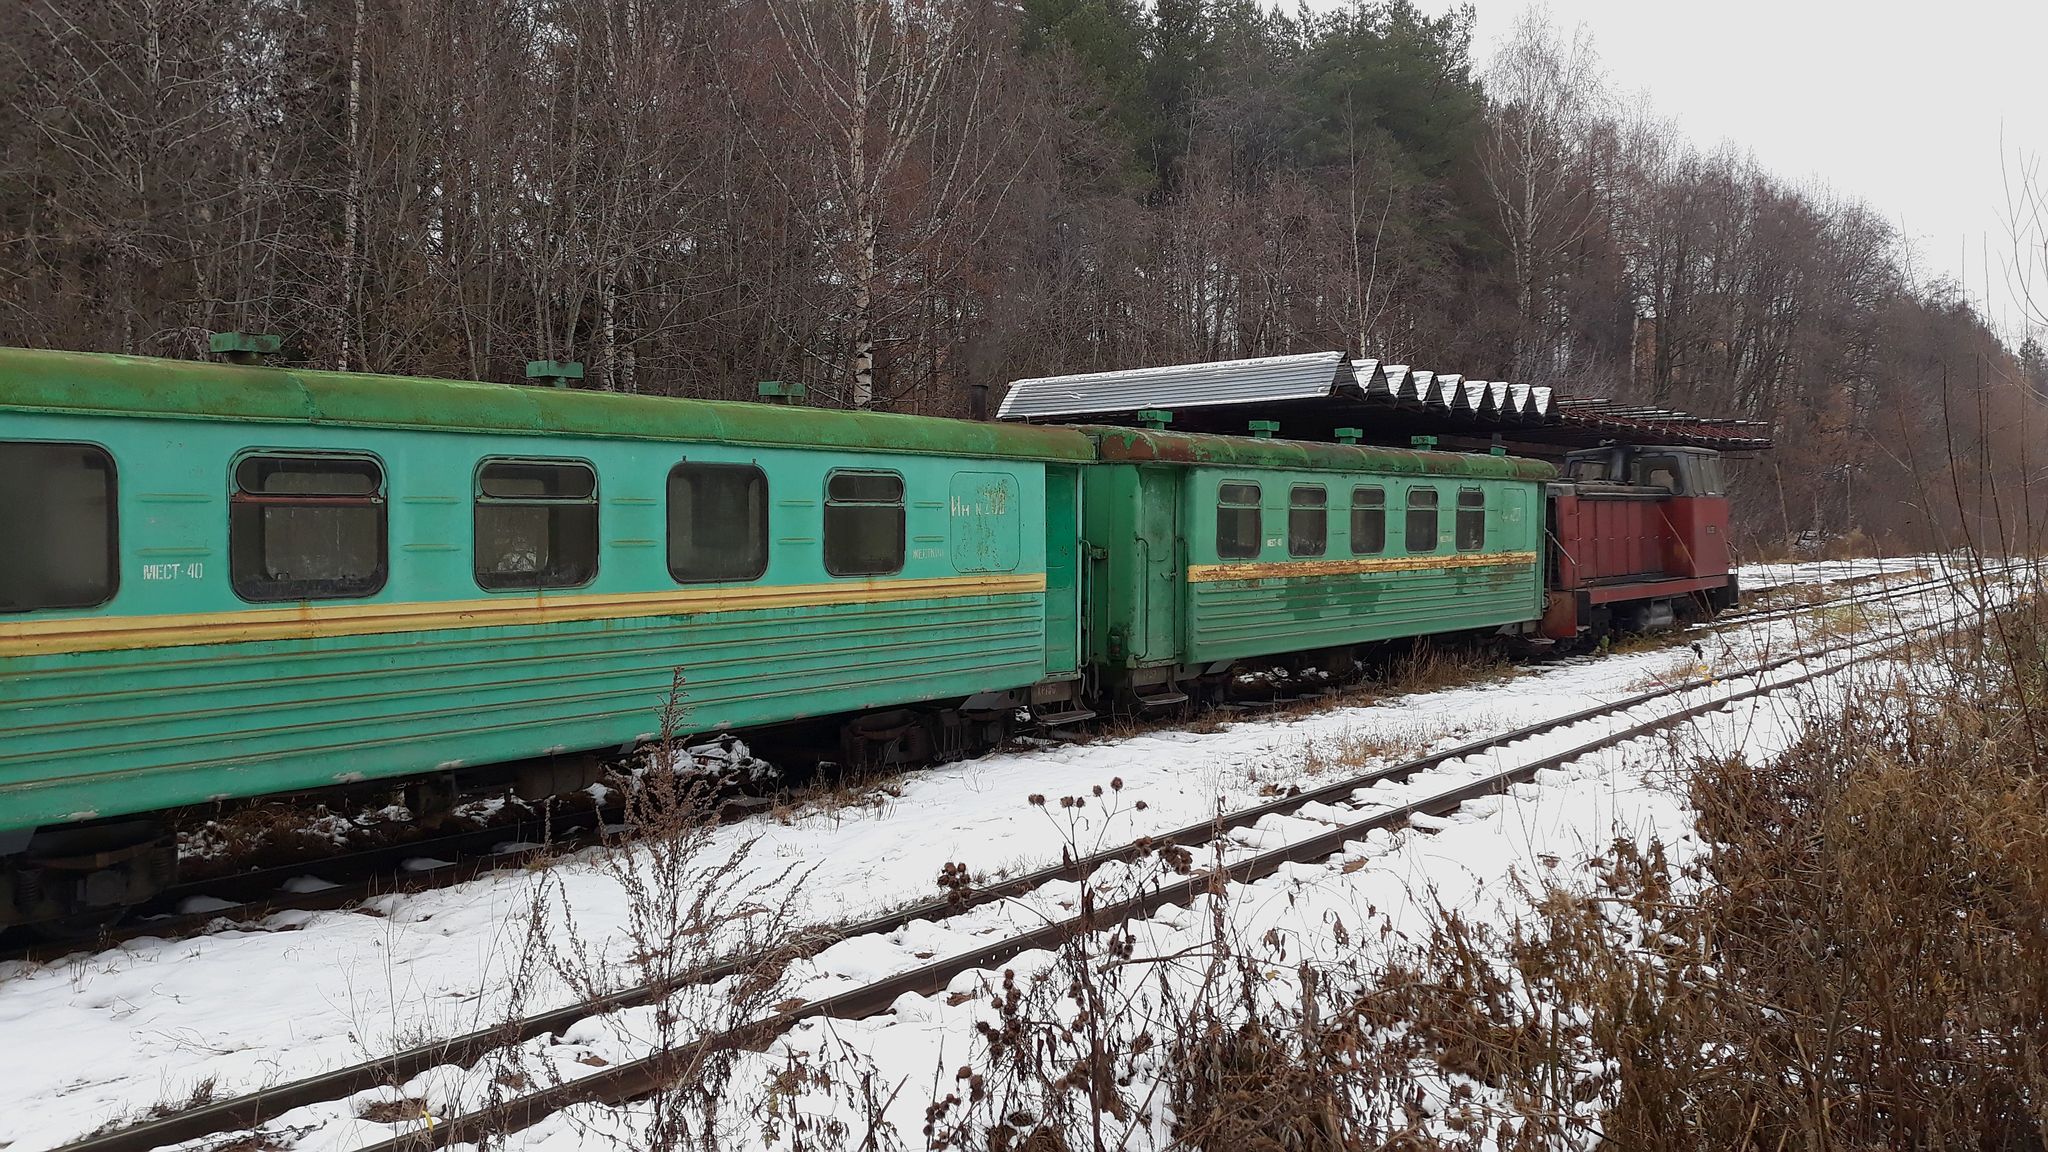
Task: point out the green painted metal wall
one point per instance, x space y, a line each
1150 523
1236 618
109 732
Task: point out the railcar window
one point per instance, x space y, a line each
1421 520
717 522
536 524
1368 521
1238 529
306 528
863 523
1471 524
57 524
1308 520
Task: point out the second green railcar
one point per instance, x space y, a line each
1210 550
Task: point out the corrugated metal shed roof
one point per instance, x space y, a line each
1272 378
1313 394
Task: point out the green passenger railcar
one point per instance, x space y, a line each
1207 550
227 580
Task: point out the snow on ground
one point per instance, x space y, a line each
1468 863
1758 577
98 1037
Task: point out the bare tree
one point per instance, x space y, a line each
876 86
1547 95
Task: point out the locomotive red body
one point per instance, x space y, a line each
1638 541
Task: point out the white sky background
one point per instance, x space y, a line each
1909 107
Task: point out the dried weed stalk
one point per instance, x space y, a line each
687 901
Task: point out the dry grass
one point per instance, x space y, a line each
400 1111
689 900
1839 621
1859 959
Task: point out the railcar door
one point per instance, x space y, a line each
1062 569
1160 567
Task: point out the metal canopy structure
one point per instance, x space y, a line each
1315 394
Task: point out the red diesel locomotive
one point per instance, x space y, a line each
1638 541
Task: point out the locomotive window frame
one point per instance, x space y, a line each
249 528
1469 524
571 520
1308 520
756 539
1710 478
1239 504
852 516
111 471
1368 521
1424 519
1642 467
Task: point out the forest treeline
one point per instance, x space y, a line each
892 201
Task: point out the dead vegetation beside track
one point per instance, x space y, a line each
1568 1023
1855 956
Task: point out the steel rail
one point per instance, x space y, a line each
248 1111
620 1083
373 872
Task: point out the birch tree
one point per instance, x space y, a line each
1546 94
872 83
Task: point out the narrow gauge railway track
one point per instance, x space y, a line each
1748 616
626 1081
621 1083
352 878
1741 615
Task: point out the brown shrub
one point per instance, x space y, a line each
1859 959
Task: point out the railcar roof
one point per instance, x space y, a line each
102 384
1138 445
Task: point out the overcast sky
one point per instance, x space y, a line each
1900 104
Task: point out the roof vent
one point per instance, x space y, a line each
781 392
556 373
1155 418
1264 429
243 347
1350 435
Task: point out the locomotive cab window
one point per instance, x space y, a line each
1657 472
717 522
1471 523
1421 534
1368 521
306 527
1308 520
57 522
536 524
1238 529
863 523
1708 479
